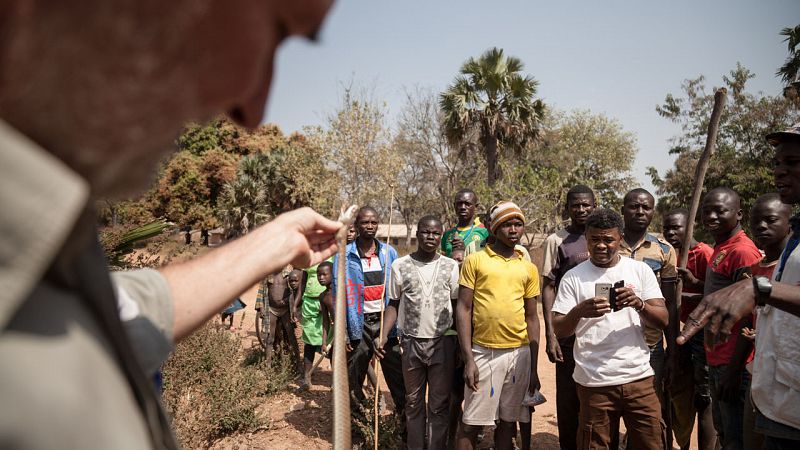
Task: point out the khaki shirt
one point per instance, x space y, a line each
662 258
64 382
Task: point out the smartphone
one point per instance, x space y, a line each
613 298
602 290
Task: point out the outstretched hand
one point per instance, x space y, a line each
309 238
720 310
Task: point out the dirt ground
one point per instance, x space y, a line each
303 420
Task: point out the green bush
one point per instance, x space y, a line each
212 387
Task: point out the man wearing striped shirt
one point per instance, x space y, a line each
366 259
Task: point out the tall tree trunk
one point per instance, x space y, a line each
490 151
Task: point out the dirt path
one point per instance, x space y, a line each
302 420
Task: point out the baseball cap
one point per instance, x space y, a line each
791 133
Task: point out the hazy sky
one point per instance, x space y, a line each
611 56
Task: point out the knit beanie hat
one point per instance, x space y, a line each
504 211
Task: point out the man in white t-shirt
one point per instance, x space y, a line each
423 288
612 360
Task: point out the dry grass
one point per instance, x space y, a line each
212 387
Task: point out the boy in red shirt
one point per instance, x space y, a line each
733 250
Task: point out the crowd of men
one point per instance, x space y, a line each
460 331
89 107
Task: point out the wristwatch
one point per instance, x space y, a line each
763 289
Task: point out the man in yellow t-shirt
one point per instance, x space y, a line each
498 330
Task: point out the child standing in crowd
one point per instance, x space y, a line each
769 223
276 294
498 331
721 212
688 385
422 290
316 321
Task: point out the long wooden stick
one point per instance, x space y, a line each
700 171
699 179
386 270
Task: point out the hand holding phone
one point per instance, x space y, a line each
602 290
609 291
596 306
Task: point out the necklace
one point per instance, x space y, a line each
427 285
469 232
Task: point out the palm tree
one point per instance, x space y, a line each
244 200
790 69
494 102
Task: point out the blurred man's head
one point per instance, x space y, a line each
786 163
108 86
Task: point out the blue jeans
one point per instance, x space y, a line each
777 436
728 416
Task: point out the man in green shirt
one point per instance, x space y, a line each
469 233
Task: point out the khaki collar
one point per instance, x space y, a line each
646 241
41 199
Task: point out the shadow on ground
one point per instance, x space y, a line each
544 441
312 416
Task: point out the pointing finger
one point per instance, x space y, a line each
697 320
